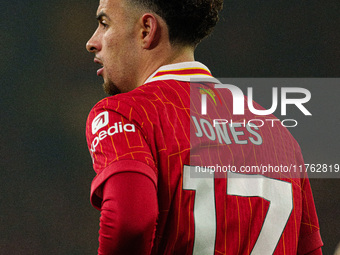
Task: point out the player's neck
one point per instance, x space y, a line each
172 56
183 54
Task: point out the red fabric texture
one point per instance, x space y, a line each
128 215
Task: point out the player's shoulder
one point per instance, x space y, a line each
134 105
143 96
113 108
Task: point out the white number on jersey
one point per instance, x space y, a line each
277 192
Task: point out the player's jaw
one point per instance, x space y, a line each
110 88
108 85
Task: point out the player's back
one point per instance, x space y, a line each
221 213
200 212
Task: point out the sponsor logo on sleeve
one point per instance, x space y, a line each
100 121
117 128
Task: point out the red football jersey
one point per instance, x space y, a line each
156 131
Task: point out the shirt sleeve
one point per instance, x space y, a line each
128 215
117 143
316 252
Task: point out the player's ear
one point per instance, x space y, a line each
149 31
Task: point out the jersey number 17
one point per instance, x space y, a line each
277 192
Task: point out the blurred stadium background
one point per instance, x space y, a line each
49 84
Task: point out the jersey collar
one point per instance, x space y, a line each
185 71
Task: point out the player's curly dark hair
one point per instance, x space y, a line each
189 21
